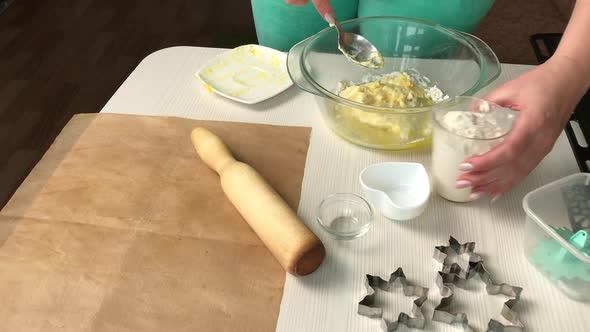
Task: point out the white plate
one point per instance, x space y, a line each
248 74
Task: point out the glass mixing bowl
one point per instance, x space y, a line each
456 62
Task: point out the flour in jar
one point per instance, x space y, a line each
458 135
478 125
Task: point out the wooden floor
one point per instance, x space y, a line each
59 57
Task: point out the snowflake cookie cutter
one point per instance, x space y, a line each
441 254
454 277
367 307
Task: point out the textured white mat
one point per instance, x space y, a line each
164 84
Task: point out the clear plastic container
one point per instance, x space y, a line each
557 230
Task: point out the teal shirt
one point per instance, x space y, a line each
280 26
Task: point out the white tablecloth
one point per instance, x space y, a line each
164 84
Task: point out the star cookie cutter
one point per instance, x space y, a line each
367 307
441 254
453 274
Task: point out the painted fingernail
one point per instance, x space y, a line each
495 198
475 196
462 184
465 167
329 18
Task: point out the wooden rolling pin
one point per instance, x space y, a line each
297 249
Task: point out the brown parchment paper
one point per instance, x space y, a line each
121 227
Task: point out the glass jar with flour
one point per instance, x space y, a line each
463 127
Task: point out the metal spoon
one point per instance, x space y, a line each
356 47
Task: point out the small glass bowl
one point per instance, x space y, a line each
345 216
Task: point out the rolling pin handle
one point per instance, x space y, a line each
211 149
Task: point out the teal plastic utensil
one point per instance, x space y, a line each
557 262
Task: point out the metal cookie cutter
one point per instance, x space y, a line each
441 254
454 275
366 306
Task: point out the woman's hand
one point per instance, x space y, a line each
545 97
322 6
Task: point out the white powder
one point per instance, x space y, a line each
472 124
459 135
436 94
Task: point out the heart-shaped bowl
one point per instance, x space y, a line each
398 190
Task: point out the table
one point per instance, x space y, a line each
164 84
